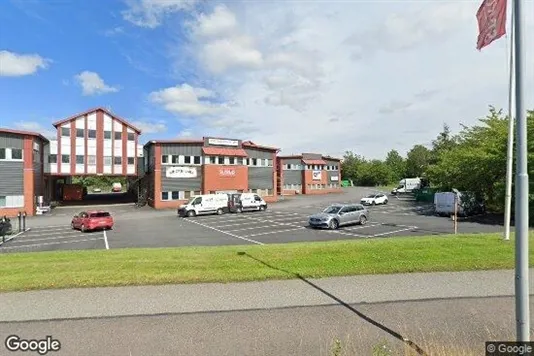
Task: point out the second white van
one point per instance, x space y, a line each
204 204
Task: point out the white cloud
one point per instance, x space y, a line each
150 13
150 127
92 84
186 100
15 65
34 126
290 74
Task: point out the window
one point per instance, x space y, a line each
117 160
164 195
245 161
164 159
16 153
207 160
91 160
269 163
196 160
118 135
254 162
107 135
65 131
269 192
80 133
175 195
51 159
187 194
231 160
220 160
287 166
197 192
91 133
2 153
131 136
107 161
187 160
79 159
2 201
131 160
65 158
175 158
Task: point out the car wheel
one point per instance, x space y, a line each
373 203
220 211
333 225
191 213
262 208
83 228
363 220
239 210
72 226
385 202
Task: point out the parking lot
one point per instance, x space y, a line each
283 222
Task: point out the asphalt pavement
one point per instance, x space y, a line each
430 311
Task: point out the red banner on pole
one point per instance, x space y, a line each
491 16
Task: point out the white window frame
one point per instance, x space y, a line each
9 155
8 199
207 159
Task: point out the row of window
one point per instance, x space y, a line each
80 133
299 167
184 195
91 160
197 160
11 154
11 201
292 187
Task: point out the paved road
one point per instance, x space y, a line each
294 317
432 325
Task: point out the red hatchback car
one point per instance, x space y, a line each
92 220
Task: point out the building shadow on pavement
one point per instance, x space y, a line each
391 332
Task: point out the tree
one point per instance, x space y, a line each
444 142
351 165
417 161
396 165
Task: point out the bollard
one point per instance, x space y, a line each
24 221
19 215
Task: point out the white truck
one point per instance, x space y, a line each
204 204
407 185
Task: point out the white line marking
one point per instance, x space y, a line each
48 227
11 237
224 232
274 232
254 227
227 225
393 232
361 227
106 240
52 243
54 233
46 238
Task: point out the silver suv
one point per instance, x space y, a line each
340 215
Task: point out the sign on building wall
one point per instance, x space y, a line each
334 178
227 172
220 142
316 175
181 172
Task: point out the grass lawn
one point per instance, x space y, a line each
119 267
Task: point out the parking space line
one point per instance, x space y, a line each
227 225
106 240
252 228
274 232
51 243
48 227
46 238
54 233
40 229
361 227
224 232
393 232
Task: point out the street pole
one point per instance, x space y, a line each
521 191
455 213
510 156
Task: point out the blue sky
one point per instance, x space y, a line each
303 76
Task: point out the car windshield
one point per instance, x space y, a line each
190 201
371 196
332 209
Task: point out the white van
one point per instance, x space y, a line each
252 201
204 204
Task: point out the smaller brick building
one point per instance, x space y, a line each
175 170
22 178
308 173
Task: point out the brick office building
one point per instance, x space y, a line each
176 170
308 173
22 177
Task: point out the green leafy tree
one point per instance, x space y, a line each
417 161
352 165
396 165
